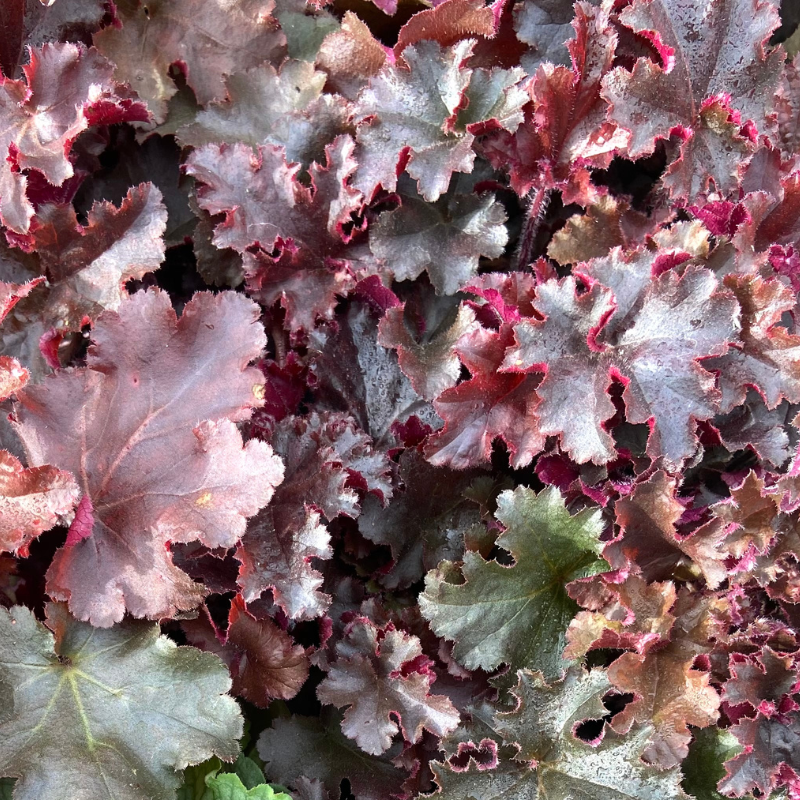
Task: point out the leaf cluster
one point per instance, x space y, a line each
399 400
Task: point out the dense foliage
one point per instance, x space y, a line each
399 400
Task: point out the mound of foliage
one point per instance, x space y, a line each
399 400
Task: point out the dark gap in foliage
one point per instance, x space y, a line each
589 730
382 202
219 605
790 19
365 556
791 613
742 460
305 702
501 556
307 633
71 351
259 719
173 630
514 207
771 607
715 464
217 569
602 657
385 28
178 276
80 346
32 570
111 158
526 476
616 701
125 162
634 179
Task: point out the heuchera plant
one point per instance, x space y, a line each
399 400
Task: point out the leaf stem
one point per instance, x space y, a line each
537 208
279 341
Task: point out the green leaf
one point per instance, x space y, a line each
551 762
547 714
248 771
519 614
507 781
106 713
704 767
229 787
543 726
194 780
6 788
304 33
792 44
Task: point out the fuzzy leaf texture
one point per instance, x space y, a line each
87 267
230 787
154 35
266 205
263 660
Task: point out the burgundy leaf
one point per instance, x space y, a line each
65 90
407 117
265 663
152 441
447 23
405 108
303 258
157 34
379 675
565 120
328 756
264 106
769 357
705 92
767 677
544 25
429 361
490 405
650 541
87 268
670 692
352 372
13 376
31 501
586 339
324 456
622 613
424 524
446 239
350 56
769 743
